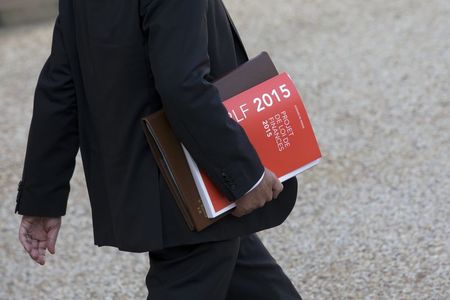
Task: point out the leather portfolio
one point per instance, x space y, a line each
169 154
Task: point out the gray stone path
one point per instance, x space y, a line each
372 221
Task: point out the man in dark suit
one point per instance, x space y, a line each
113 62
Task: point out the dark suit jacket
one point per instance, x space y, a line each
113 62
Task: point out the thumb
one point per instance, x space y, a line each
277 188
52 236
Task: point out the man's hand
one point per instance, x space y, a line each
269 188
37 234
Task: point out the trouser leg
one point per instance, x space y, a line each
200 271
239 268
257 275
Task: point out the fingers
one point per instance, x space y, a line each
42 247
34 243
35 249
52 236
38 249
246 206
37 234
266 191
239 210
24 239
243 207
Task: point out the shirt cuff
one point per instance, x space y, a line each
256 182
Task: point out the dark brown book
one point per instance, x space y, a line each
169 154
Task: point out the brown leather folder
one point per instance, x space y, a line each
167 150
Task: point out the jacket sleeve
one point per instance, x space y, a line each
177 47
52 139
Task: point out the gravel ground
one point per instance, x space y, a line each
371 221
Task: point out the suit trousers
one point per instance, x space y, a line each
233 269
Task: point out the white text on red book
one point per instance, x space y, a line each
260 103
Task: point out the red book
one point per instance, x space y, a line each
275 120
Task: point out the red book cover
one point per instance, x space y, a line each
275 120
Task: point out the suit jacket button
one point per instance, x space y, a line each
233 186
